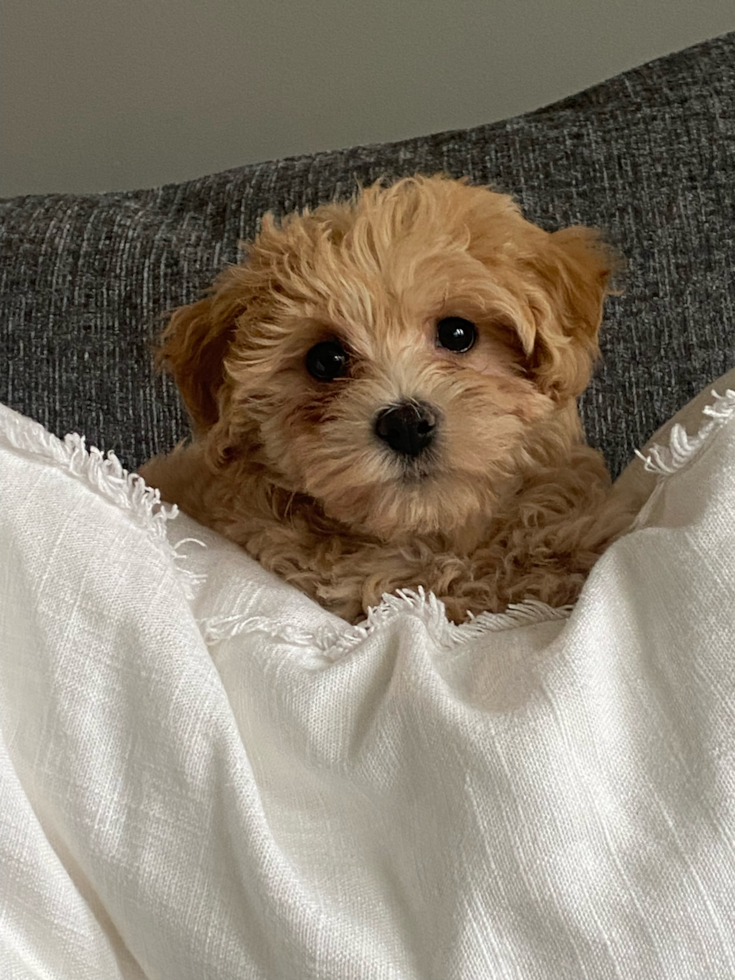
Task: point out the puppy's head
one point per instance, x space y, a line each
398 358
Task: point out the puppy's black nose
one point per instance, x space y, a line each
408 428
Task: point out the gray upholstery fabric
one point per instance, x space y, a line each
648 156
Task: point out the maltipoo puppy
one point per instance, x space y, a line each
383 395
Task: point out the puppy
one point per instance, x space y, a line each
383 395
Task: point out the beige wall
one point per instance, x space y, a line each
113 94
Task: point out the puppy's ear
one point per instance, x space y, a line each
192 350
573 268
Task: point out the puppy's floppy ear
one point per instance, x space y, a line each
192 350
573 267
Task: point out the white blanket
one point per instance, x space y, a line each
204 775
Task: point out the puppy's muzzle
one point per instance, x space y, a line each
408 428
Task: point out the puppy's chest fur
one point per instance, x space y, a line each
544 537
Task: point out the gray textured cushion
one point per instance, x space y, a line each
647 155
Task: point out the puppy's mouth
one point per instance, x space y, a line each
416 471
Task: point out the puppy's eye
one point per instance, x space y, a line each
326 361
456 334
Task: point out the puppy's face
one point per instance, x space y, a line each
393 358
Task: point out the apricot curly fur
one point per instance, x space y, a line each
509 502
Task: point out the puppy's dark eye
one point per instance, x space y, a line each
327 361
456 334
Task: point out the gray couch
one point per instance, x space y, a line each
649 156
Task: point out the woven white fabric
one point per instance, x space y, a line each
205 775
